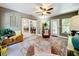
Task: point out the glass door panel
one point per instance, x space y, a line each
55 27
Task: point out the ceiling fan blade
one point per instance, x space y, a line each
44 9
41 8
48 12
49 9
38 12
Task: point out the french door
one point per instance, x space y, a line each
55 27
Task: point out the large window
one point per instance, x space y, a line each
65 26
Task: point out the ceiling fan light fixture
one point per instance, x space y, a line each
44 9
44 13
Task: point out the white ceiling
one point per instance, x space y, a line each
29 8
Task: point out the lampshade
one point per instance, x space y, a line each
75 23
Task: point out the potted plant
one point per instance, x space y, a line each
1 36
45 25
45 31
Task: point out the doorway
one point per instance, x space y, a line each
55 27
25 25
28 26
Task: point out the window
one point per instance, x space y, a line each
65 26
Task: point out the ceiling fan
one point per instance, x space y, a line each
44 9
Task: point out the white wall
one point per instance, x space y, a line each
6 21
12 19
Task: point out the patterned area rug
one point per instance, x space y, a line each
42 47
54 45
59 46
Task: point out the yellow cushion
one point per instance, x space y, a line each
14 37
0 46
4 51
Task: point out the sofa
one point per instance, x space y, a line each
13 40
10 37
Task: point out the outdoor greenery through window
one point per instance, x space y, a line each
66 26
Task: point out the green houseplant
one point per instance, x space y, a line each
45 24
1 34
45 31
6 33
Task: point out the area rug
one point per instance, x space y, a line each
56 45
42 46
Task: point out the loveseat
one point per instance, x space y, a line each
10 37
